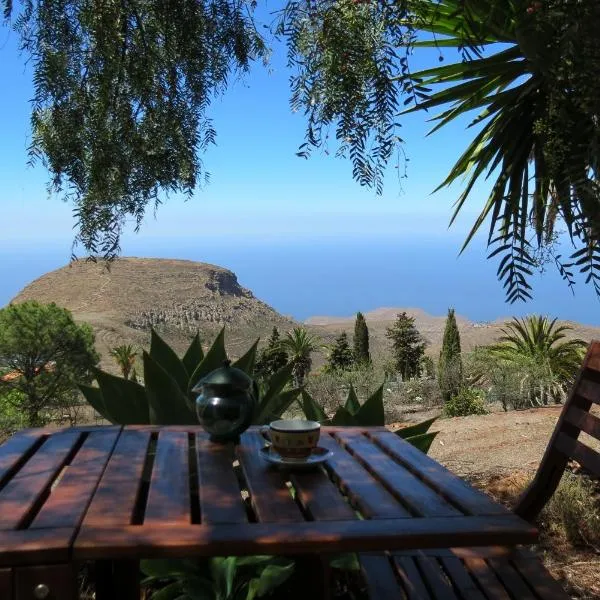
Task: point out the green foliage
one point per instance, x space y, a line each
534 78
341 357
368 414
467 402
218 578
300 344
166 397
272 358
408 346
361 340
573 512
45 354
532 364
12 417
125 356
428 367
120 97
450 364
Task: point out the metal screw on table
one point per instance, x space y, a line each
41 591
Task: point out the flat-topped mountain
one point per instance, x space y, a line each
123 300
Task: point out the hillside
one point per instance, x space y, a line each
432 328
178 297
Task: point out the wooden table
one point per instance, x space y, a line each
118 493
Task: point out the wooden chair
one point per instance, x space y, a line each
499 573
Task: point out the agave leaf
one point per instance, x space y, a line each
417 429
166 357
123 399
312 410
273 576
276 383
93 395
352 404
344 418
168 404
423 441
213 359
193 356
246 362
371 413
276 406
346 562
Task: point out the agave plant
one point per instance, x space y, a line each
166 397
368 414
531 71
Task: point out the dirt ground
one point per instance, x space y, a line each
496 443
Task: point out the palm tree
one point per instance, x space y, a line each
300 344
125 356
538 128
540 345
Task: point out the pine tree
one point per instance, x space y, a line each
361 340
450 365
272 358
408 346
341 357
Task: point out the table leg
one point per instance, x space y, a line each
314 577
117 580
6 583
47 582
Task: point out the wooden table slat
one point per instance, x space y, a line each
269 495
461 579
299 537
487 579
67 503
411 578
380 578
511 579
421 499
320 498
31 546
219 490
369 496
169 493
22 493
436 578
114 501
470 500
16 450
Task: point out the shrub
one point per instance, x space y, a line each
573 512
466 402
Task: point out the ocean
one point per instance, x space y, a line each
337 277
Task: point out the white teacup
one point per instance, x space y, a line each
293 438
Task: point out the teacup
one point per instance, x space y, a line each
293 438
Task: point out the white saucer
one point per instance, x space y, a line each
319 455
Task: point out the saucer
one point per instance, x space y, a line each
319 455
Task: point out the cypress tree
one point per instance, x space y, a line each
450 364
361 340
341 357
408 346
272 358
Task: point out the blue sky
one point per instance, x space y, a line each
262 193
258 186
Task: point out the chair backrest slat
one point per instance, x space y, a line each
573 449
564 444
584 421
